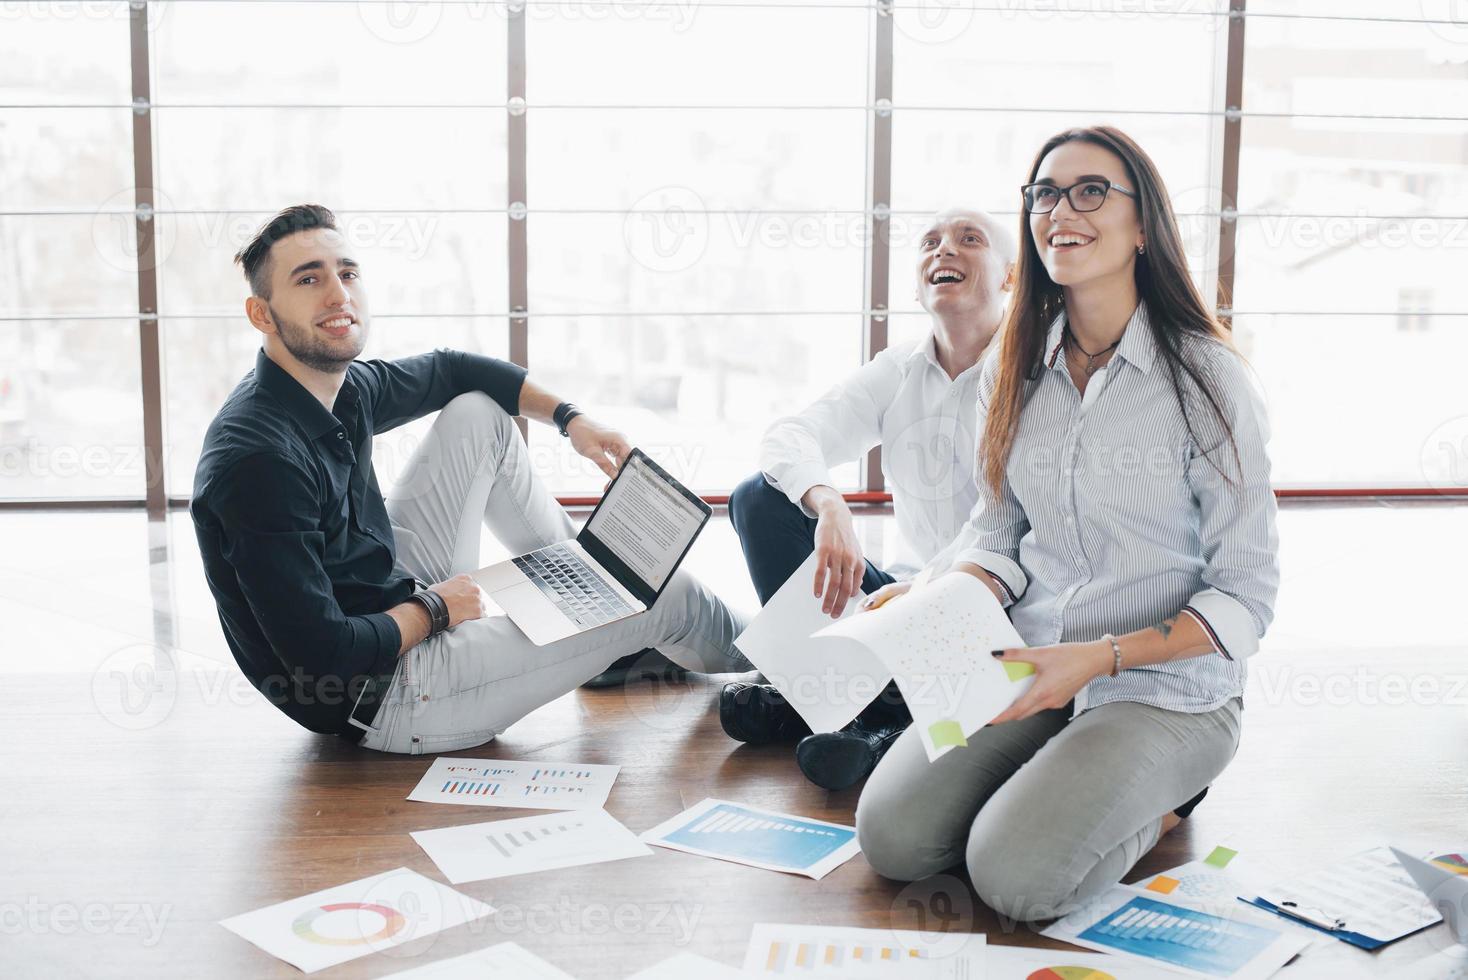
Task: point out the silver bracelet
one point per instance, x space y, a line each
1115 654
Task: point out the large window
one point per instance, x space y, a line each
696 206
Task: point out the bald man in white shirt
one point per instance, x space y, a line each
918 402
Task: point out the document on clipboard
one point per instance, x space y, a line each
1367 900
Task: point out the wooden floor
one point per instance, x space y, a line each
142 805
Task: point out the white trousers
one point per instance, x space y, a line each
465 686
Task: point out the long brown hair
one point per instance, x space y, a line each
1176 310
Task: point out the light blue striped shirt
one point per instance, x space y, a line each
1112 519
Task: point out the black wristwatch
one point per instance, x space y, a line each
437 608
563 415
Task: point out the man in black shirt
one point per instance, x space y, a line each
319 580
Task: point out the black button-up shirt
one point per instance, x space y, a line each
294 532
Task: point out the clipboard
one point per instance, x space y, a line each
1321 921
1379 881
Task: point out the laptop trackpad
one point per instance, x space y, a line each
537 616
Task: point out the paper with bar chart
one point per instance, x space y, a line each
759 838
530 785
543 842
1022 963
863 954
342 923
828 680
937 642
1131 922
504 961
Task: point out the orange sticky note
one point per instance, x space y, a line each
1163 884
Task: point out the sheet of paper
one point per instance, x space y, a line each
342 923
937 642
759 838
1443 878
1447 964
1370 891
543 842
863 954
1021 963
506 961
687 965
827 679
530 785
1133 923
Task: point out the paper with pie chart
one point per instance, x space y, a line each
506 783
937 642
1022 963
543 842
342 923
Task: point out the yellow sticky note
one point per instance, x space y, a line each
1163 884
1017 671
945 733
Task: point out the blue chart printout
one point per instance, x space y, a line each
1181 936
777 841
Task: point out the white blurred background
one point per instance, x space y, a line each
696 194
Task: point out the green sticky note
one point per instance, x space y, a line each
1017 671
1220 857
945 733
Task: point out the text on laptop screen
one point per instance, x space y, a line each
646 522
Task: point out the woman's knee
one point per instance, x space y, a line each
890 831
1020 880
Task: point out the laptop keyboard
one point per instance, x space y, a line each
575 588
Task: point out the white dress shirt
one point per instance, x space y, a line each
925 423
1112 519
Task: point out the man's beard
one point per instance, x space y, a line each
316 352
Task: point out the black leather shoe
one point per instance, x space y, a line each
757 714
837 760
647 664
1186 810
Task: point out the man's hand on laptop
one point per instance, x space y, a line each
466 600
839 562
604 446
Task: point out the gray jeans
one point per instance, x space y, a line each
465 686
1046 811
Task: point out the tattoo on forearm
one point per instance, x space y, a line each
1166 627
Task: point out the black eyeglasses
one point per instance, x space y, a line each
1084 195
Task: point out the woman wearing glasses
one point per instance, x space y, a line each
1126 520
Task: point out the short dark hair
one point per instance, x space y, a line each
254 258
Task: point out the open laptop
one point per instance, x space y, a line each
1445 883
616 567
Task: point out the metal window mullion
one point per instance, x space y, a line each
1233 122
518 237
144 180
878 203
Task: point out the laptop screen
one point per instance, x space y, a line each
647 520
